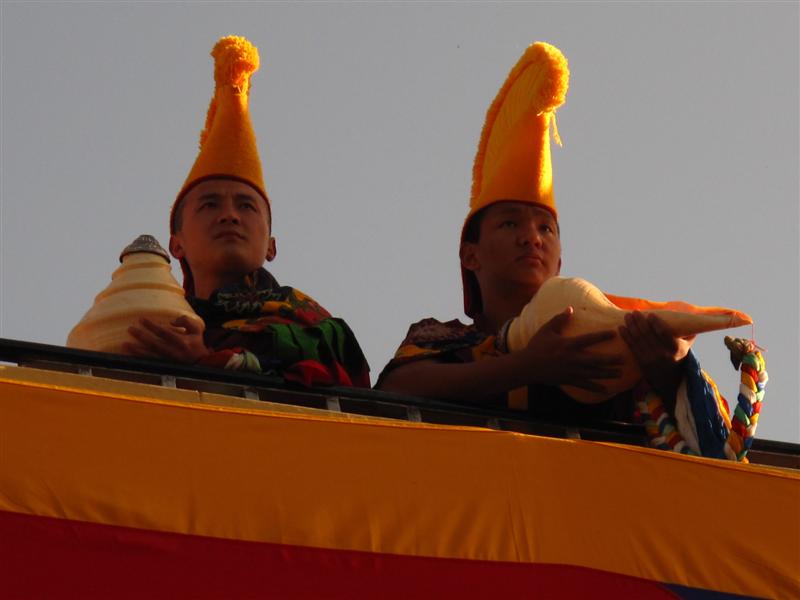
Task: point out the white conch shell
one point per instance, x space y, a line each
143 286
596 311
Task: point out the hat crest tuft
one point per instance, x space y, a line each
235 60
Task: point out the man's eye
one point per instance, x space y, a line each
207 204
509 224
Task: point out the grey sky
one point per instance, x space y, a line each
678 178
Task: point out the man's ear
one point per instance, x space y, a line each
272 249
558 270
176 247
468 255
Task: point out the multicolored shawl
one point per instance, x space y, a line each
258 325
702 424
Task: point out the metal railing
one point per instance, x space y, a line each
357 401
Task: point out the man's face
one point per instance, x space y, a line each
224 230
519 245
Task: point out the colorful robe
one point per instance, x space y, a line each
702 423
260 326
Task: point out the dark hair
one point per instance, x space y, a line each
472 231
177 220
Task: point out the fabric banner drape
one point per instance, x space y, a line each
165 492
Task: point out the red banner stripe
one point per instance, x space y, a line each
42 557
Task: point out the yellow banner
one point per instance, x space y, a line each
117 454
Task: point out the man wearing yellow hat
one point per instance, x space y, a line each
510 245
221 232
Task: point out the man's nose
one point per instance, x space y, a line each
228 214
529 234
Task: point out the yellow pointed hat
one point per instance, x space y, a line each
228 147
513 158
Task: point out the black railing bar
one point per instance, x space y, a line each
21 351
18 351
775 446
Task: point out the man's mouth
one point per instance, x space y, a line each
228 235
533 259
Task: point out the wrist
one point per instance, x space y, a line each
522 368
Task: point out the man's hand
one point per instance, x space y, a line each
182 341
553 359
657 351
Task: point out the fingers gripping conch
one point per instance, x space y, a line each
595 312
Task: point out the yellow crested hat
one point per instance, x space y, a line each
228 143
513 158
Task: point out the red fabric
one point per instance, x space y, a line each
311 372
55 558
219 358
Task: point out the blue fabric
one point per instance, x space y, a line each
688 593
745 405
711 431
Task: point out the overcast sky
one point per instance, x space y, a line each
678 177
